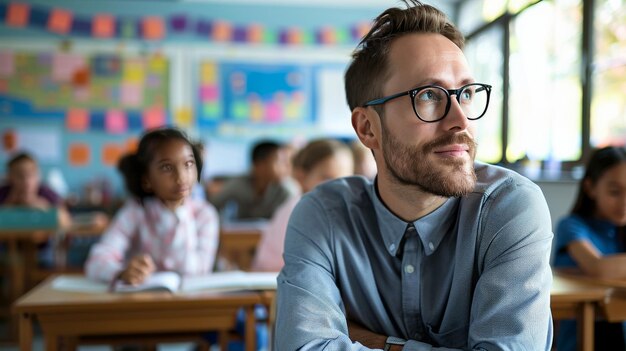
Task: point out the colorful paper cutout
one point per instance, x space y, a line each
79 154
77 120
134 71
60 21
17 14
132 144
327 36
81 77
115 121
222 31
103 26
128 28
209 73
294 36
106 65
179 23
255 33
7 63
111 154
64 65
131 94
153 28
157 63
209 93
183 117
9 140
153 117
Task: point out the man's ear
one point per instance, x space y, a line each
366 124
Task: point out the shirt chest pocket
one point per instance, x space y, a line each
452 338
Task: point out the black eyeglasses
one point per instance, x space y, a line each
431 103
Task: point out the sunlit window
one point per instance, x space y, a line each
545 84
486 57
608 107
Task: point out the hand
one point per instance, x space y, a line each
367 338
139 268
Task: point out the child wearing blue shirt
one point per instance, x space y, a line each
592 238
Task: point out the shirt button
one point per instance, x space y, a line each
392 247
409 269
431 246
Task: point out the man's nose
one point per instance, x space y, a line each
456 118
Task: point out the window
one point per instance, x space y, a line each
608 104
487 57
563 72
545 101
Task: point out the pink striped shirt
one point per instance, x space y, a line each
184 241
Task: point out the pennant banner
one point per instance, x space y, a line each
105 26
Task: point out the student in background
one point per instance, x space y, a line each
260 193
317 162
592 237
161 228
25 189
364 163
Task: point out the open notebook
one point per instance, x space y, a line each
173 282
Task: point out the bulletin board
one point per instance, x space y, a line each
107 92
260 94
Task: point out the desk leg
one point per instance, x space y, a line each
586 327
26 332
30 265
16 285
250 329
16 271
52 342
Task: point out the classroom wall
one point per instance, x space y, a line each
87 154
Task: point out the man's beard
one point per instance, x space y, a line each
411 165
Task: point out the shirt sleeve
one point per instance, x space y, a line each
201 258
511 303
307 281
571 229
107 257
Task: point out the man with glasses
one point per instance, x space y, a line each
440 252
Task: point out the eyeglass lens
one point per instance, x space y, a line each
431 103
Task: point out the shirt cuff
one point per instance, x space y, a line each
414 345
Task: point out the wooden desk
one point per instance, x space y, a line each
72 315
238 243
22 250
572 298
613 305
22 265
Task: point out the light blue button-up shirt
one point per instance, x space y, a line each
473 274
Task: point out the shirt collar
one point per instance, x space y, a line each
160 213
429 228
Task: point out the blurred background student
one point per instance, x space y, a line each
317 162
259 193
161 227
364 163
25 189
592 237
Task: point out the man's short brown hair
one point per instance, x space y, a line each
369 67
